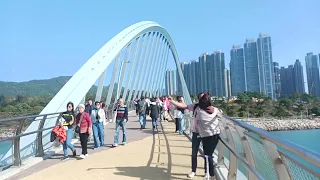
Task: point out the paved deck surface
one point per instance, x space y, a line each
164 155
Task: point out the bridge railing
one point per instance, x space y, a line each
251 153
12 130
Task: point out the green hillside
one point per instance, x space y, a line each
45 87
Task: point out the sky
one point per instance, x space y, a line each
44 39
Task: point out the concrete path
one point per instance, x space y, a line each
164 155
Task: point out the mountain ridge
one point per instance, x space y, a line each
40 87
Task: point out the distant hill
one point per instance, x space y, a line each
45 87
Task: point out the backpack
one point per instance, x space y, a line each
142 106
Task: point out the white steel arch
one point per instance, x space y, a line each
80 83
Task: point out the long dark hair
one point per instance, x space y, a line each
199 95
205 101
71 103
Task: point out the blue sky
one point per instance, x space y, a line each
43 39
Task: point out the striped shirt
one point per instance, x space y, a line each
122 112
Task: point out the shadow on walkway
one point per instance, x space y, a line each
142 172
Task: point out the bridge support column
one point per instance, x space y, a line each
122 72
139 83
124 96
157 65
113 77
165 59
100 86
150 79
132 89
150 48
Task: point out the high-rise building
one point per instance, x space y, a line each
210 75
259 66
178 81
203 72
237 71
292 80
219 67
313 77
252 66
299 77
195 81
264 47
277 82
227 83
287 81
170 84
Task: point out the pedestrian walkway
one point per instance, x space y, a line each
164 155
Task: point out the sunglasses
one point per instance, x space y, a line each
70 107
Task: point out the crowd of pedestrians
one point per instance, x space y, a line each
92 119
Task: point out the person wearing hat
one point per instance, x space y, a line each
83 120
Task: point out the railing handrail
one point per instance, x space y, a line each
296 149
27 117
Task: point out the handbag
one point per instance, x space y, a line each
77 129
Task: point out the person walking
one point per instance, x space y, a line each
196 139
154 113
179 117
98 119
83 120
89 107
121 120
67 121
209 129
142 108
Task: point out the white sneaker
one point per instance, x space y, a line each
114 145
82 156
87 155
191 175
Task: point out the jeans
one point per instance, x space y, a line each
84 142
179 125
154 123
161 116
98 134
196 139
209 145
142 119
122 123
67 143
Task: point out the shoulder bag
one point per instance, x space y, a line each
77 130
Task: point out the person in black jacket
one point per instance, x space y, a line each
67 121
89 107
154 113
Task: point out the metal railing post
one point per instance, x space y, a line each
16 144
232 174
279 166
40 151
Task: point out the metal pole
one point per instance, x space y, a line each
112 81
120 74
100 86
135 75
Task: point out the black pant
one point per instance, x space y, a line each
84 142
196 139
209 145
177 124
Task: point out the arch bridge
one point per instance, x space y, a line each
135 61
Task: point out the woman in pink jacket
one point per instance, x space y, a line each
85 129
